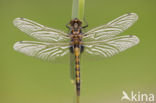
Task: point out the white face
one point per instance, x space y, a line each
76 25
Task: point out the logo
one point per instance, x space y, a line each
137 97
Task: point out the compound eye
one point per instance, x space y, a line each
80 23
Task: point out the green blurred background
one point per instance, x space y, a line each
25 79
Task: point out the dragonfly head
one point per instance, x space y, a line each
75 23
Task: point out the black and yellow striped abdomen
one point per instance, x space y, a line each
77 69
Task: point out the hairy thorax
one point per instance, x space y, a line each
76 37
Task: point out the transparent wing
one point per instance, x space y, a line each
112 46
39 31
45 51
112 28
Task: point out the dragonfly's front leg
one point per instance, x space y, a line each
85 23
67 25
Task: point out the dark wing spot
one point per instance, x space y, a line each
20 41
21 18
129 13
130 36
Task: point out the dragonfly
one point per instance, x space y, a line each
104 41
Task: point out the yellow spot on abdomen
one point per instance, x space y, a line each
77 73
77 66
78 79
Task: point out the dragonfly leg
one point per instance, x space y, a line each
85 23
67 25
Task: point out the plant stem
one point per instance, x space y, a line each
81 9
78 9
75 9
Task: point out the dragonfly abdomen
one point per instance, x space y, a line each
77 69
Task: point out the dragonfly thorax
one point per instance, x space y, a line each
76 34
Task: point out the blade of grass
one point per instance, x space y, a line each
78 9
75 9
81 8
